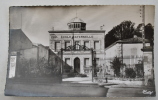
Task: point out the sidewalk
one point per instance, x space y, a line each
117 88
85 80
121 91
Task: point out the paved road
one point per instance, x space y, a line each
78 87
65 89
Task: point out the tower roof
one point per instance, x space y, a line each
76 19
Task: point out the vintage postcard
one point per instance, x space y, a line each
81 51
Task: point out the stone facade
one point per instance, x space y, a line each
77 35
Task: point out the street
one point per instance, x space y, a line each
65 89
79 87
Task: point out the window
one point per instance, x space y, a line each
57 45
77 42
72 25
76 25
96 45
86 61
67 61
69 26
97 61
77 46
79 25
86 43
67 43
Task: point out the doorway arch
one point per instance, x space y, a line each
77 65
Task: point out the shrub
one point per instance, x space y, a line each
150 82
81 75
71 75
130 73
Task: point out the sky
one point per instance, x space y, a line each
35 22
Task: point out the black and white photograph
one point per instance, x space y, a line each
81 51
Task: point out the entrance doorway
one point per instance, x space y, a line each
77 65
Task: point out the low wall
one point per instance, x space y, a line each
131 82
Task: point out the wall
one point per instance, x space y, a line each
43 52
132 54
37 65
148 68
110 53
62 37
18 40
27 63
56 62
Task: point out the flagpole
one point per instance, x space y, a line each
73 36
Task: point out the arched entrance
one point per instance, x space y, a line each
77 65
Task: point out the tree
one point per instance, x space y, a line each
116 65
149 32
124 30
127 30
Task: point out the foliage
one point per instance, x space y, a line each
127 30
116 65
149 32
130 73
151 82
139 69
122 31
81 75
71 74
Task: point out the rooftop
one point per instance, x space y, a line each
77 31
76 19
133 40
129 41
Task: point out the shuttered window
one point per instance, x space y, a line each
97 61
77 46
86 61
57 46
86 43
67 43
96 45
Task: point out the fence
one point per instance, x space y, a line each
132 67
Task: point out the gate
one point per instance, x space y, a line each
78 47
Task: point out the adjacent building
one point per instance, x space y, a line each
129 50
31 63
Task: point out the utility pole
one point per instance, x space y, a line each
143 30
122 54
143 21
